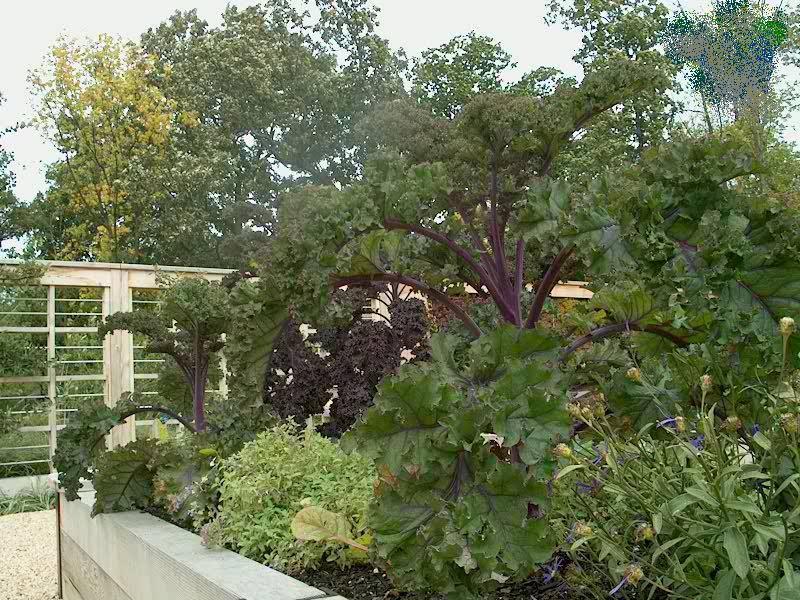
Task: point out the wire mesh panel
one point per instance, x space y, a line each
147 366
51 361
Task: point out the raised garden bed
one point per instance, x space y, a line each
136 556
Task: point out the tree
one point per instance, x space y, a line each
277 96
632 28
8 202
95 104
11 217
447 77
732 54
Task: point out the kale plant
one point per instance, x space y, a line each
690 267
335 370
188 327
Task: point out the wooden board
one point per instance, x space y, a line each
82 578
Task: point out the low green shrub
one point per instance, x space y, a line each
41 498
274 477
705 505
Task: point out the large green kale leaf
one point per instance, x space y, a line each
461 457
80 444
124 477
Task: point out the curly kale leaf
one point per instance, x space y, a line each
458 455
80 444
124 477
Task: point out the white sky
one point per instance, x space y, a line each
29 27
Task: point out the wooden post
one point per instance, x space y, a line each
118 356
52 390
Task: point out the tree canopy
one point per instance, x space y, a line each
176 150
96 106
8 201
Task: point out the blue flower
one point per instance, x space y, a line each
552 569
698 442
619 586
589 488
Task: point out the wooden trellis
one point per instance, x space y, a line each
105 288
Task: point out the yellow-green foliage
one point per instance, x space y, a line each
273 478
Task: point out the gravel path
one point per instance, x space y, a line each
28 556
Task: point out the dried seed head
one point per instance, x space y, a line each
786 326
563 451
644 532
634 374
634 574
790 423
732 424
680 424
582 530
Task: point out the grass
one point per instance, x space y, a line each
34 500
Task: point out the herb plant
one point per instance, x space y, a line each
277 475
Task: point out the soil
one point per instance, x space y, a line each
364 583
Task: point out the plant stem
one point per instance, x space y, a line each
547 284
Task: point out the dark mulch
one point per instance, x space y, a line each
364 583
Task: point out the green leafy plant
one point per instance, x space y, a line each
188 327
42 498
696 505
461 455
278 475
81 446
691 268
202 314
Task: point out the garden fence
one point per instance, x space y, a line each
52 360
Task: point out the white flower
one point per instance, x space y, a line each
407 355
326 410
